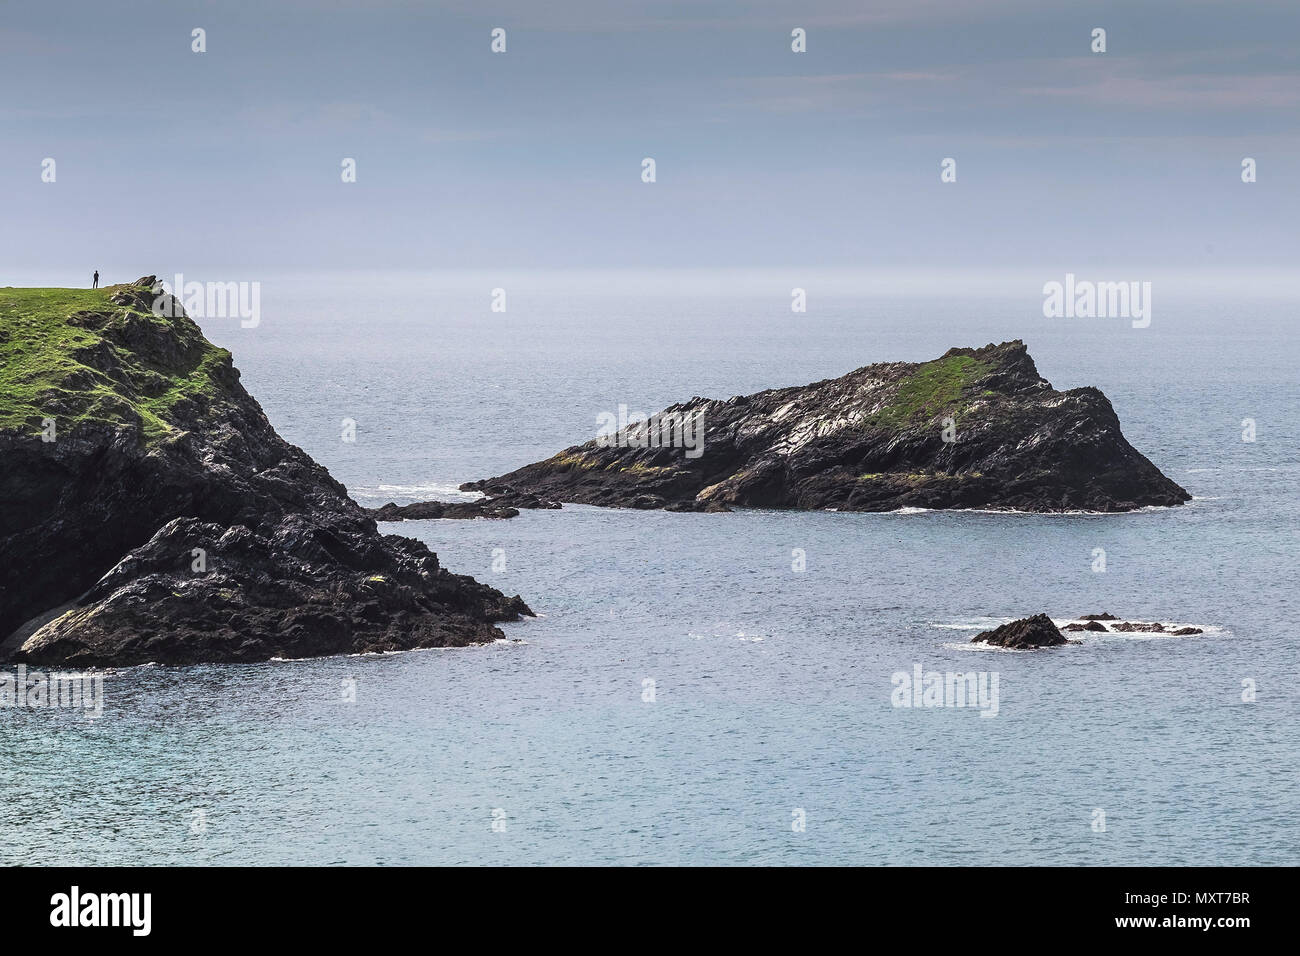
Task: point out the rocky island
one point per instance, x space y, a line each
150 513
1024 634
976 428
1029 633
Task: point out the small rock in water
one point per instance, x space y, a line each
1029 632
1127 626
1104 616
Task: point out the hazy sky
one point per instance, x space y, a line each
170 160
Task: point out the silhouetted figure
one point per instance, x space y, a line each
95 284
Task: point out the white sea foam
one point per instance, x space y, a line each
971 624
968 646
726 632
436 490
1034 514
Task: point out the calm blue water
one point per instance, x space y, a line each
772 687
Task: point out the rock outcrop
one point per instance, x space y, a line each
1024 634
489 506
977 428
1154 627
1039 631
422 510
1090 626
149 511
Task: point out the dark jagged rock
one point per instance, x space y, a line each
871 440
482 508
514 498
168 522
1090 626
706 507
1024 634
501 503
1127 627
1154 628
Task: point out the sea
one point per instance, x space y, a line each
731 689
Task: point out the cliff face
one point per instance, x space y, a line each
874 440
167 521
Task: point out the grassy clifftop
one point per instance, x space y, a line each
82 356
935 388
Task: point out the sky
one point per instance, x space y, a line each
168 160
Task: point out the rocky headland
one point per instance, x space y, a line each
976 428
149 511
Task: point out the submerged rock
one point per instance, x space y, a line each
1154 627
977 428
1128 627
1028 632
166 521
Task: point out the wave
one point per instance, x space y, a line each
971 624
725 632
1034 514
992 647
430 491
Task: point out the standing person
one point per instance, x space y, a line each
95 284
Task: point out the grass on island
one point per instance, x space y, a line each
577 460
77 375
934 390
642 469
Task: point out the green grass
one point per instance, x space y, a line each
577 460
640 469
77 375
934 390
